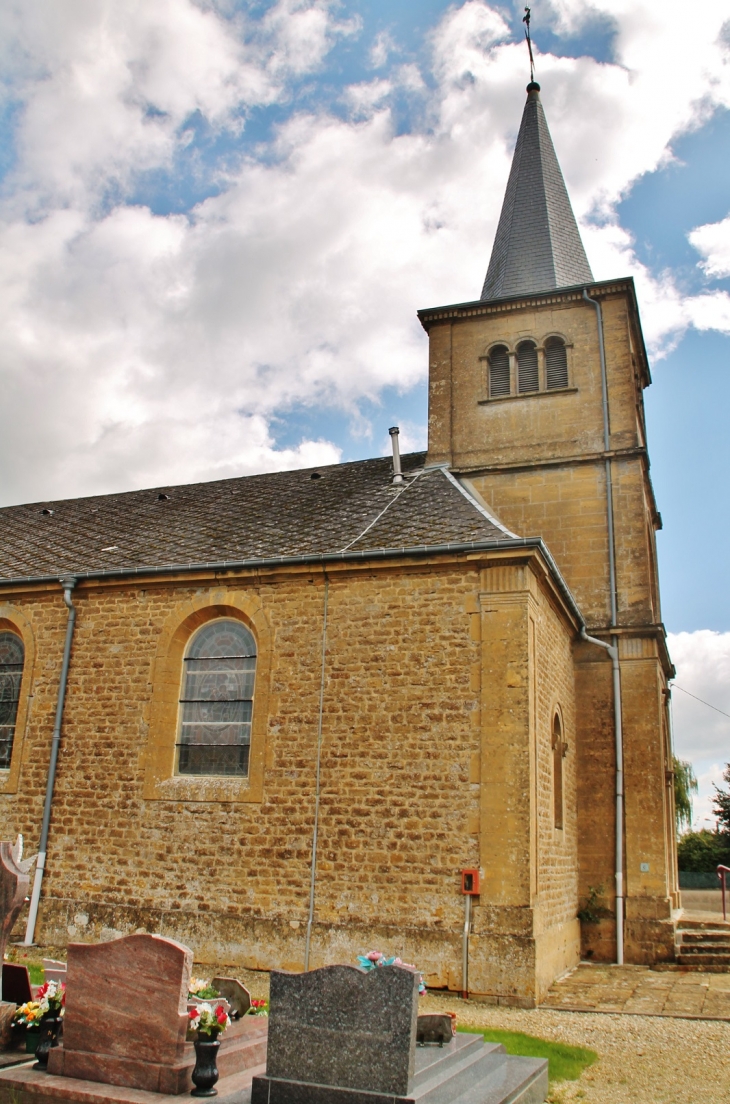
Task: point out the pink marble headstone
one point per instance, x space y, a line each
14 886
126 1011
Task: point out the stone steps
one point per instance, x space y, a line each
703 945
476 1072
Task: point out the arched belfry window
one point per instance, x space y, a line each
559 750
528 378
556 364
499 372
217 700
11 673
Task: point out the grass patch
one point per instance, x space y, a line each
565 1063
37 973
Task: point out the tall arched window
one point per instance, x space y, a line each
499 371
556 364
528 378
11 673
217 700
559 750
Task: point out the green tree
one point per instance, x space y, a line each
685 784
703 851
721 805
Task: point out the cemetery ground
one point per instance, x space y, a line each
664 1058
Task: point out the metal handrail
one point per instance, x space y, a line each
721 872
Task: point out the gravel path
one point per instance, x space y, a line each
642 1059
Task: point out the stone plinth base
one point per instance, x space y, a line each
463 1071
36 1087
243 1046
7 1011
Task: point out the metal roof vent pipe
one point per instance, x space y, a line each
397 473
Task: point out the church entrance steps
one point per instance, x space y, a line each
703 944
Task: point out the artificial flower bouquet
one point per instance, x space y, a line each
201 990
52 997
258 1008
207 1020
28 1015
373 959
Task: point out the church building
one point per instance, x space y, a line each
410 704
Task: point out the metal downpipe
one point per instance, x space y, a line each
68 583
613 647
315 832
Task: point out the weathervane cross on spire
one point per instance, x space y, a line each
526 21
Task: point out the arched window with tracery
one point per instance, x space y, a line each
12 655
559 750
216 705
556 364
499 384
528 378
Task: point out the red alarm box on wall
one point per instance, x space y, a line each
470 883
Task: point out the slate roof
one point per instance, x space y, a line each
538 246
351 507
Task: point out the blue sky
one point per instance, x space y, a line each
218 219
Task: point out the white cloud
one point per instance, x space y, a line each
143 348
701 734
712 241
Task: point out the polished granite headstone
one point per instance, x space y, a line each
126 1011
340 1028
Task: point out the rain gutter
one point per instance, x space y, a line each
350 556
612 648
68 583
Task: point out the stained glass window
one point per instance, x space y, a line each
217 700
11 672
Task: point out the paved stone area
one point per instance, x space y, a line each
643 991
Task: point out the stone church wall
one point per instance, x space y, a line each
404 751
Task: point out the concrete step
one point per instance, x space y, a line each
431 1060
713 935
481 1074
704 948
702 961
703 925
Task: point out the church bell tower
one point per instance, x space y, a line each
536 403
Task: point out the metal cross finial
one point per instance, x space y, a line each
526 21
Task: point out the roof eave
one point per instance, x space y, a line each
456 548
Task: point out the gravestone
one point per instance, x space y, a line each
14 886
237 995
126 1011
341 1027
16 983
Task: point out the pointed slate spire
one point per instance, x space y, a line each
538 246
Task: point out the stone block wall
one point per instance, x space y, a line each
404 758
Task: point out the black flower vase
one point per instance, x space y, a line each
205 1073
49 1029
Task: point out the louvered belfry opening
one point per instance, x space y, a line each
528 377
556 364
499 372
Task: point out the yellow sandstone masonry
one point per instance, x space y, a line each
419 777
538 462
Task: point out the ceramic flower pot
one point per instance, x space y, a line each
205 1073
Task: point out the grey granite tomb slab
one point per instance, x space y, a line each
346 1027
